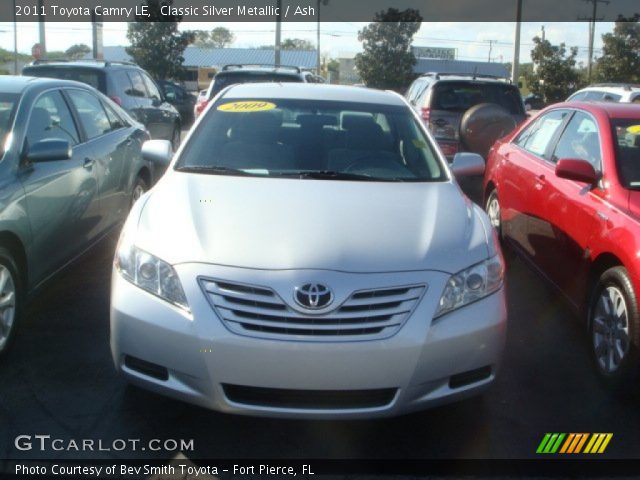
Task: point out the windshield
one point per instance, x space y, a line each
8 102
90 76
460 96
311 139
225 79
627 134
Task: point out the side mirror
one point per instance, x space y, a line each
467 164
576 169
170 96
49 149
158 152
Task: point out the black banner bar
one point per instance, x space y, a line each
308 10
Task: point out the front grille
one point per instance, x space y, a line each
260 312
309 399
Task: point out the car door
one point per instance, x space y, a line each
160 112
145 111
522 173
571 208
61 195
110 143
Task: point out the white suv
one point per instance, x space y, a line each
608 92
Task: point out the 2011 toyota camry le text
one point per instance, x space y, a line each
309 254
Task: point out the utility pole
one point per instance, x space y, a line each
278 33
43 40
491 42
592 32
96 30
515 66
15 40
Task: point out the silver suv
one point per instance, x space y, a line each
608 92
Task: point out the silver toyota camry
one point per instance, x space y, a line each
309 254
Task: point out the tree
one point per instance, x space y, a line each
554 75
77 51
296 44
620 60
387 61
156 44
219 37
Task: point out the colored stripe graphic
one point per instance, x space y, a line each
573 443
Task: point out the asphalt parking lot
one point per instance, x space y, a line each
58 379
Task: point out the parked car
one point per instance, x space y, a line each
180 98
533 102
309 254
445 103
563 190
70 168
232 74
126 84
607 92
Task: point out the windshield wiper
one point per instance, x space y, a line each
331 175
213 170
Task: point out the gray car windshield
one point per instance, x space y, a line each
8 103
627 134
311 140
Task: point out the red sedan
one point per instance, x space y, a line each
564 190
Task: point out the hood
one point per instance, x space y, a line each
269 223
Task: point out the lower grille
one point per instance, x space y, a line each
260 312
309 399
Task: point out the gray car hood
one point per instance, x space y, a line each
269 223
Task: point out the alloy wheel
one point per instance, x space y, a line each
7 305
610 332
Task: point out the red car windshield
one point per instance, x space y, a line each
627 133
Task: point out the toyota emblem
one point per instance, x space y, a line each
313 296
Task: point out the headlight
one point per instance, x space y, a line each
149 273
471 284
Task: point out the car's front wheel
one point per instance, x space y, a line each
492 207
139 187
614 327
10 298
175 138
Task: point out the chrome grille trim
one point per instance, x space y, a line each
259 311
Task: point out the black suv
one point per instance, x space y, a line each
232 74
442 100
126 84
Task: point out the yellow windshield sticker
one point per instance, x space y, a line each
247 106
634 129
419 143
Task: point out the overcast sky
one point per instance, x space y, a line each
472 40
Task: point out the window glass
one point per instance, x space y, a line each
278 137
51 118
114 119
137 85
8 102
154 93
460 96
593 96
537 136
627 135
580 140
91 112
577 97
122 83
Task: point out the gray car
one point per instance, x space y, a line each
70 168
309 254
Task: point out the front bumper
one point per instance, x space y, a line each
426 363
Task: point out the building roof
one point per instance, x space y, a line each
217 57
424 65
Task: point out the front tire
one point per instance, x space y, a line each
175 138
139 188
10 299
614 329
492 207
